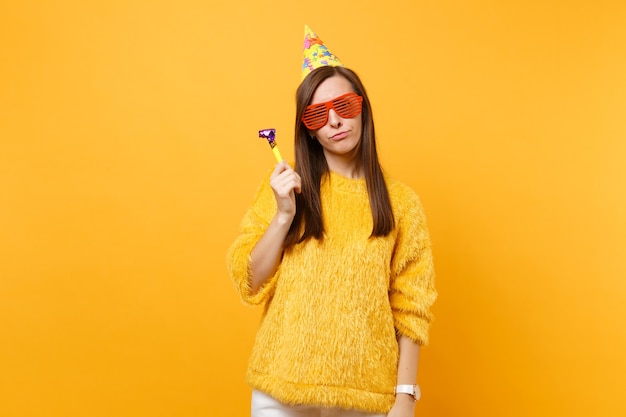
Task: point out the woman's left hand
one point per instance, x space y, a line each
403 407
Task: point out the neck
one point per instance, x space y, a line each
348 166
353 171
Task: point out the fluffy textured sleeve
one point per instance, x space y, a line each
412 284
252 227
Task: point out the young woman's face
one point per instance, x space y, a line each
340 137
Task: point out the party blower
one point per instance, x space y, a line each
270 134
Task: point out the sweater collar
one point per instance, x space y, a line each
341 183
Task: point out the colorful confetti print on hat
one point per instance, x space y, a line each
316 54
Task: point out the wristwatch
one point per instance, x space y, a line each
412 390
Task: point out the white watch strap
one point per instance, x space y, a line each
413 390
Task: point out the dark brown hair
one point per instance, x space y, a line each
312 166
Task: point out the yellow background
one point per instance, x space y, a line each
128 154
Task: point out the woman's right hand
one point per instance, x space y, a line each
267 253
285 182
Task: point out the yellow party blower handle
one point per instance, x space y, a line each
277 153
270 134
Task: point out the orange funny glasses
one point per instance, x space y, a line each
347 105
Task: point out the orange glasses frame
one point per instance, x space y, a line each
347 105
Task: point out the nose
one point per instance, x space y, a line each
333 119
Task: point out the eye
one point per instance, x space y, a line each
342 105
316 110
348 105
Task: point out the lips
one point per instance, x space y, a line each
339 135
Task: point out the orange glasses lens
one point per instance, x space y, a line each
348 105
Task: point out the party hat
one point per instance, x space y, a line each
316 54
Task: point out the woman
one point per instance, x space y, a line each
340 258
